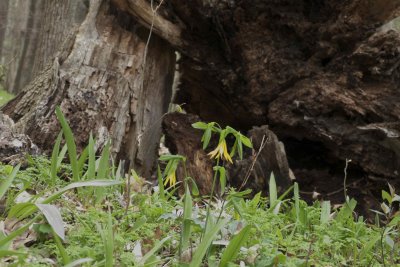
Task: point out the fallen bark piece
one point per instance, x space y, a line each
268 157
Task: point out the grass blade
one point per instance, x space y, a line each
206 242
5 185
107 235
54 159
154 250
102 171
187 216
273 193
63 253
69 139
91 173
297 200
234 246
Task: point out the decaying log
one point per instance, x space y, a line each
324 75
256 167
181 138
267 157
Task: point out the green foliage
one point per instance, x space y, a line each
90 227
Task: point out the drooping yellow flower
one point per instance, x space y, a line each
171 179
221 151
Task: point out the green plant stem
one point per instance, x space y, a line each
209 202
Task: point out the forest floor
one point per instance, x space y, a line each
85 213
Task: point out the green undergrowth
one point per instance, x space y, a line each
85 213
276 238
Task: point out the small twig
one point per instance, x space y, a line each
345 179
248 173
341 189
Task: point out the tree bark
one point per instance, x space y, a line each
109 79
32 32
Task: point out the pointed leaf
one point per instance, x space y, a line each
200 125
234 246
53 217
69 138
5 185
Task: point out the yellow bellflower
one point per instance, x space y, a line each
171 179
221 151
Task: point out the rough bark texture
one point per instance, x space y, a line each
32 32
323 74
107 81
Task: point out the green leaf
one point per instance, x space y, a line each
102 171
200 125
91 172
5 185
82 160
154 250
94 183
63 253
297 200
206 242
23 210
187 217
6 253
240 148
206 137
69 138
368 247
386 196
61 156
222 180
273 193
234 246
104 162
161 189
246 141
139 223
171 157
54 158
195 189
325 211
53 217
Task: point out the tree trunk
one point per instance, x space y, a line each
109 79
32 32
